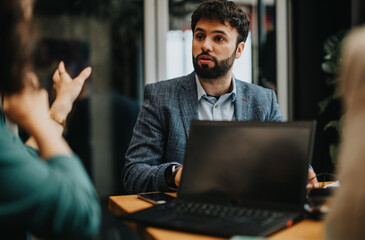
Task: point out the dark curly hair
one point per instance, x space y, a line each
15 46
224 11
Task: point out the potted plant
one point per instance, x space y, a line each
332 60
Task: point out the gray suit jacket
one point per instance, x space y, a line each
162 127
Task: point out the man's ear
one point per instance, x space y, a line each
239 50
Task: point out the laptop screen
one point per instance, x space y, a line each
246 163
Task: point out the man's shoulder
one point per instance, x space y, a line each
251 87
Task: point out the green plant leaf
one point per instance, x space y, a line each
333 151
324 103
328 57
331 81
337 94
332 124
329 67
330 45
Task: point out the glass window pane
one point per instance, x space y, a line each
107 35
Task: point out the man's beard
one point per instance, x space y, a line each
220 67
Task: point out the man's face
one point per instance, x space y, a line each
214 48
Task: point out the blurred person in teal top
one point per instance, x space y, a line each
45 190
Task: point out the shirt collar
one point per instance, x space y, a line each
201 92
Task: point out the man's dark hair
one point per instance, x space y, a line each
15 47
224 11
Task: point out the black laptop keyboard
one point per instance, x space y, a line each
224 213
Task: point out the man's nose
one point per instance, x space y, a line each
207 45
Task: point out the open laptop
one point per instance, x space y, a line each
239 178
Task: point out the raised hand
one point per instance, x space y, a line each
67 90
312 180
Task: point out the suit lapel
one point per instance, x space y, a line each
242 102
188 101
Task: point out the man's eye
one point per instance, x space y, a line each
199 37
219 38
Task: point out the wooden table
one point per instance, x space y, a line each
119 205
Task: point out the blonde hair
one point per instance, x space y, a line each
352 72
347 213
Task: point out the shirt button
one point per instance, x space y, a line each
216 106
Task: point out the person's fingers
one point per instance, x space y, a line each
314 182
32 80
56 76
61 67
312 179
178 176
64 76
83 75
311 174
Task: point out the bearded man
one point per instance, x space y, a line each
156 152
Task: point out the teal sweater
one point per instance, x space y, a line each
49 199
